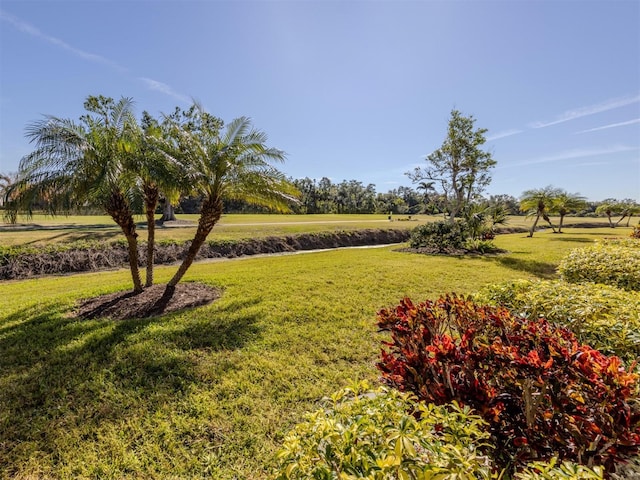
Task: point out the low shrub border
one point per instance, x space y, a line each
602 316
25 262
542 392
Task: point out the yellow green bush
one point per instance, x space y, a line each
605 317
611 263
385 434
559 471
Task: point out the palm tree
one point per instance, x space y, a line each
628 209
609 207
6 180
75 164
565 203
157 175
230 165
538 202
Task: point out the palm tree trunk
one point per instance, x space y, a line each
610 222
561 222
132 247
118 208
548 220
151 201
209 216
533 227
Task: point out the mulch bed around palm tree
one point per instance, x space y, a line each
151 302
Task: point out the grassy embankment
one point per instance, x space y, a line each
210 392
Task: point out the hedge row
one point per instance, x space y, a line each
19 262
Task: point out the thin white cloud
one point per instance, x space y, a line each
164 88
571 154
506 133
91 57
588 110
591 164
33 31
612 125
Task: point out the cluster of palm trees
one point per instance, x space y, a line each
110 160
625 209
542 202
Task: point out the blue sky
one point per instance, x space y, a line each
354 89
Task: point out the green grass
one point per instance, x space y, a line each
41 230
211 392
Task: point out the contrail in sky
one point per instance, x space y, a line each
506 133
571 154
91 57
589 110
612 125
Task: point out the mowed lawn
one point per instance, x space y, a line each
210 392
42 230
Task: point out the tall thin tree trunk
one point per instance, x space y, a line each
151 201
533 227
118 208
548 220
132 247
561 222
209 216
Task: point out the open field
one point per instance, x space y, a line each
44 229
41 230
209 393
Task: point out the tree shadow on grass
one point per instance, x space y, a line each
542 270
79 235
572 239
63 379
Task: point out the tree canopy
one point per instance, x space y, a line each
459 169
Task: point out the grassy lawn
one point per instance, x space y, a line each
211 392
42 229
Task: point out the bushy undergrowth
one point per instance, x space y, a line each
542 392
555 470
602 316
443 237
384 434
440 236
614 263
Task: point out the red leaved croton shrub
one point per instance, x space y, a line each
542 393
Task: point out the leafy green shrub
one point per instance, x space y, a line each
621 242
384 435
542 393
605 317
439 237
555 471
608 263
481 245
